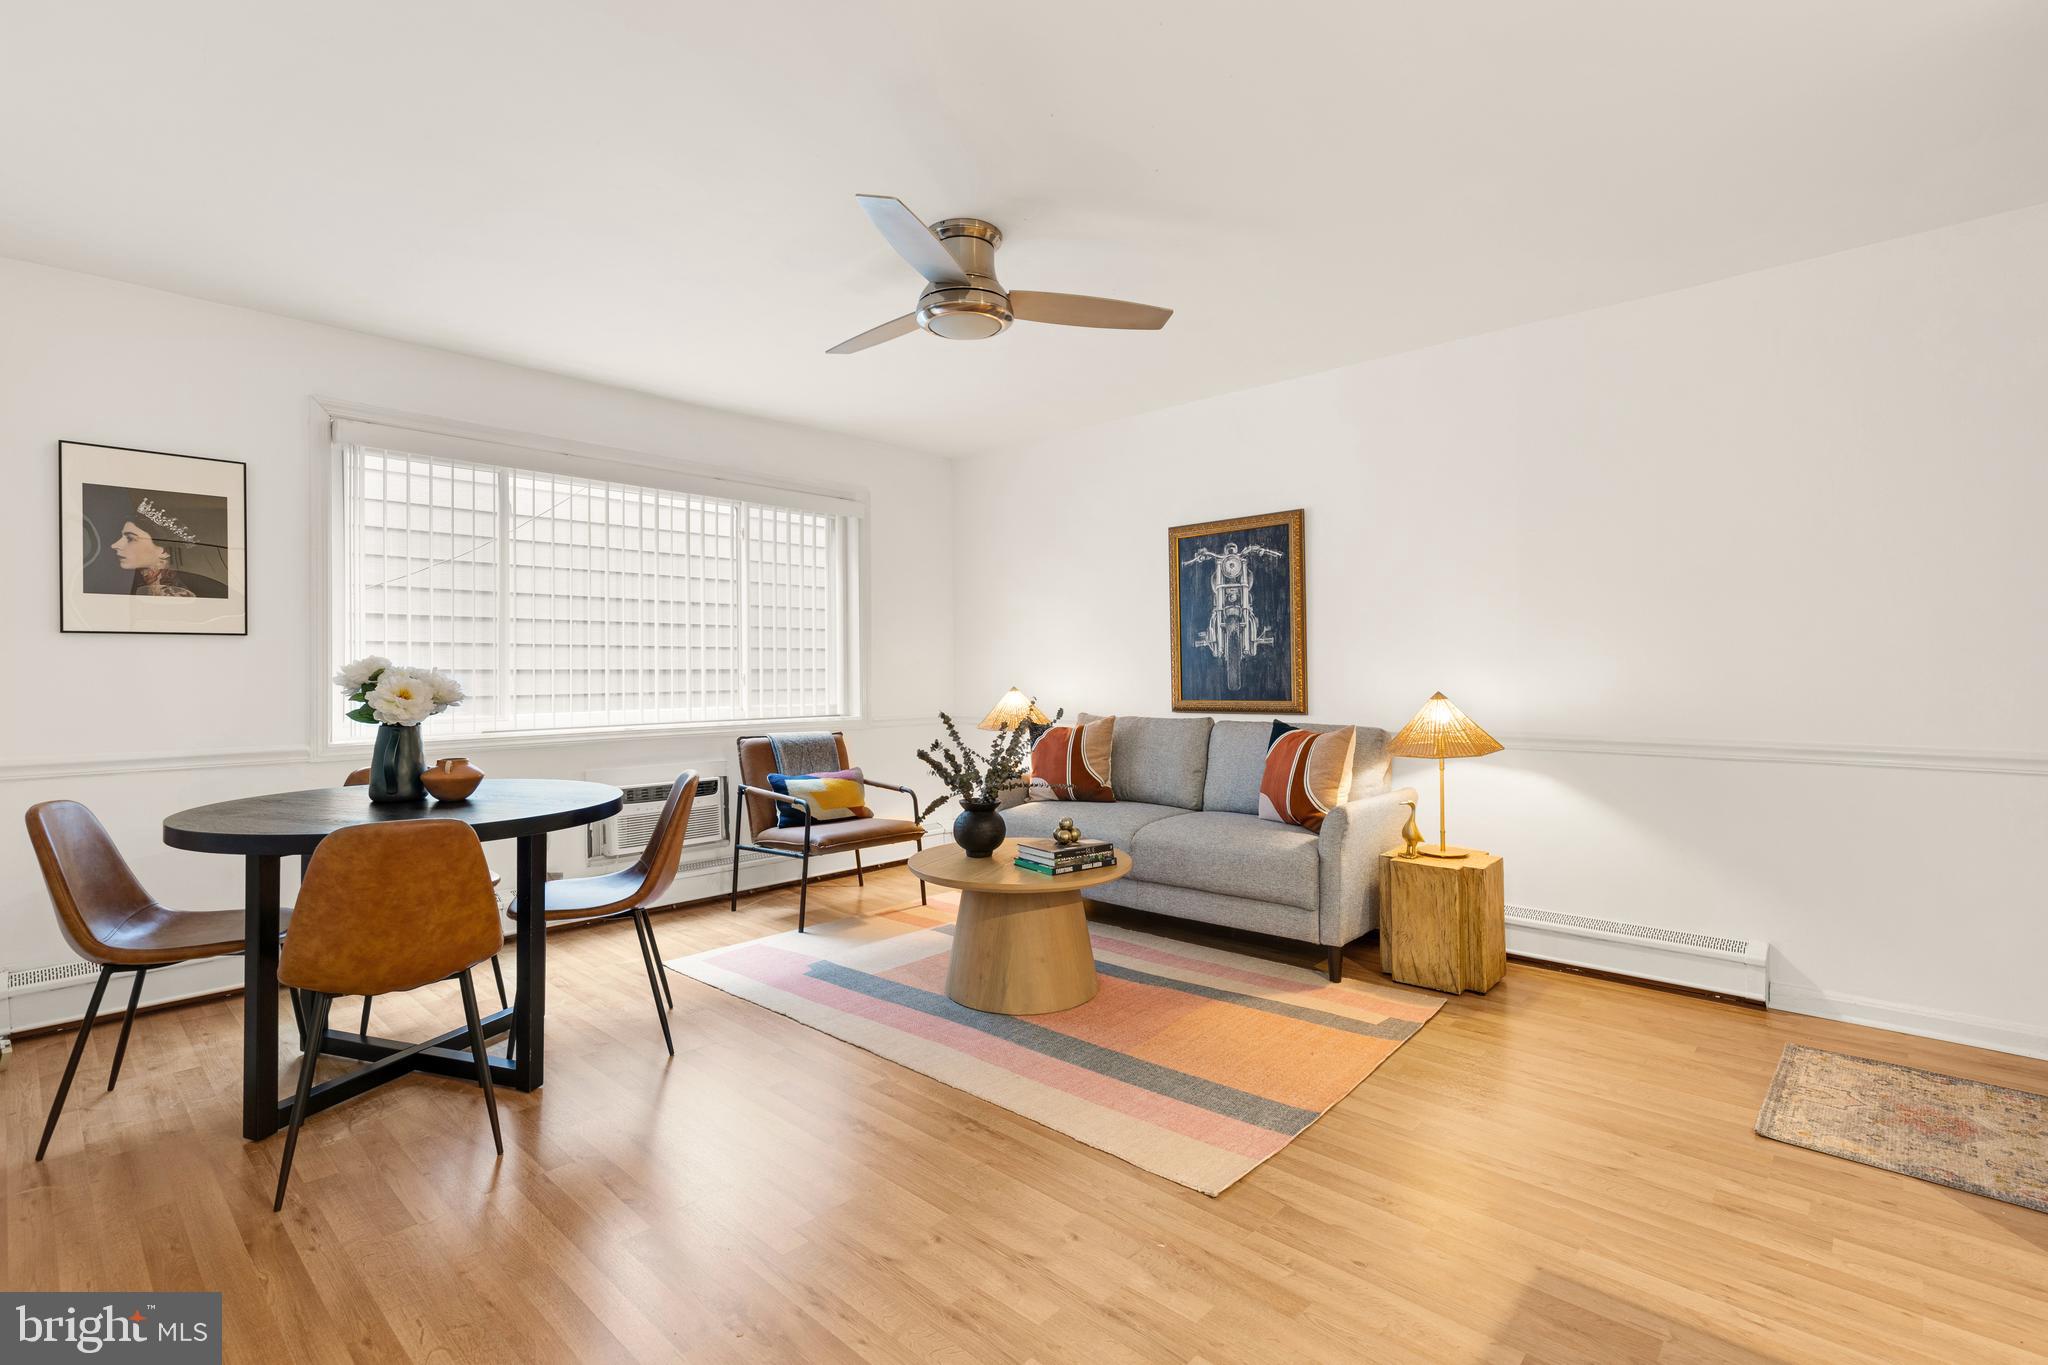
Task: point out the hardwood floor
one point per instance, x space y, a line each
1563 1170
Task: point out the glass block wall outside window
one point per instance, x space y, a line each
568 603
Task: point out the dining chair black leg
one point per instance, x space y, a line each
298 1014
655 944
860 876
127 1023
306 1064
923 896
483 1060
643 932
364 1028
738 811
92 1010
498 974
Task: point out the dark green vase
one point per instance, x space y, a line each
396 764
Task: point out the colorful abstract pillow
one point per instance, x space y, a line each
1071 762
1307 772
828 796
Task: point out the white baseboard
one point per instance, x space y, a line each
65 1003
1976 1030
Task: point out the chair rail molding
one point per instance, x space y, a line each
118 765
2014 764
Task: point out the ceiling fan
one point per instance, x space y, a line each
963 300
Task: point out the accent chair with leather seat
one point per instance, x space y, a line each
631 891
108 919
754 807
389 907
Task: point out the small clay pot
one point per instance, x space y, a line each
452 779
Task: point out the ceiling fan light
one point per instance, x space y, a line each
964 326
963 314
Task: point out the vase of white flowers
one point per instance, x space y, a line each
395 699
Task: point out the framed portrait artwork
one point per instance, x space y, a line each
1239 590
151 543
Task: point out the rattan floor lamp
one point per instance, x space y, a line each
1440 731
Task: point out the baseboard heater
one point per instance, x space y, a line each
1700 962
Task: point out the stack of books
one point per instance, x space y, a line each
1053 858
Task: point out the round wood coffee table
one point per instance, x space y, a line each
1020 944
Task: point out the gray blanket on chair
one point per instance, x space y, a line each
807 751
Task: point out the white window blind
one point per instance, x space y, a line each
565 602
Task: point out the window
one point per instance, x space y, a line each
568 602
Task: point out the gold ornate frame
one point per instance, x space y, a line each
1297 593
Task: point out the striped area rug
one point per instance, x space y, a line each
1193 1063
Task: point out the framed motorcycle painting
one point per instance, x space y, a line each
1240 614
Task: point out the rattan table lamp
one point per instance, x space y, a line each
1440 731
1013 710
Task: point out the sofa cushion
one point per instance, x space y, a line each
1160 760
1237 758
1116 821
1231 855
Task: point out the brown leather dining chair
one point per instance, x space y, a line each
631 891
361 778
383 908
754 806
108 919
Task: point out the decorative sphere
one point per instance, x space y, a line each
1066 833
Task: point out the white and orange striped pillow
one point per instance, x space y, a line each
1071 762
1307 772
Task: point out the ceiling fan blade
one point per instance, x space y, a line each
913 241
875 336
1085 310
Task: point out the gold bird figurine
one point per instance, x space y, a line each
1410 834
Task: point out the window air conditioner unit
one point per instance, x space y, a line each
628 833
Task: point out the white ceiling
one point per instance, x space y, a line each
661 195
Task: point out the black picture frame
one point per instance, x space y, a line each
150 542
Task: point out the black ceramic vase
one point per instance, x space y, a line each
395 765
978 829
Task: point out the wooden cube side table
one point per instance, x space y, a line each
1443 922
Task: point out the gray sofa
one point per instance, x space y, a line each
1186 811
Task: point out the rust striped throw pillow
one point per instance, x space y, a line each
1071 762
1307 772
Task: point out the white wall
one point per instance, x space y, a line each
1712 564
113 720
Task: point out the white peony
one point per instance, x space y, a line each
401 698
447 691
361 671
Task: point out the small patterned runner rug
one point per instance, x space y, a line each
1193 1063
1965 1134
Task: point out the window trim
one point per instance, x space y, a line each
585 460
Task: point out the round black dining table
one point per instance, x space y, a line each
263 830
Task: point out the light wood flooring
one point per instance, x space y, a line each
1563 1170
